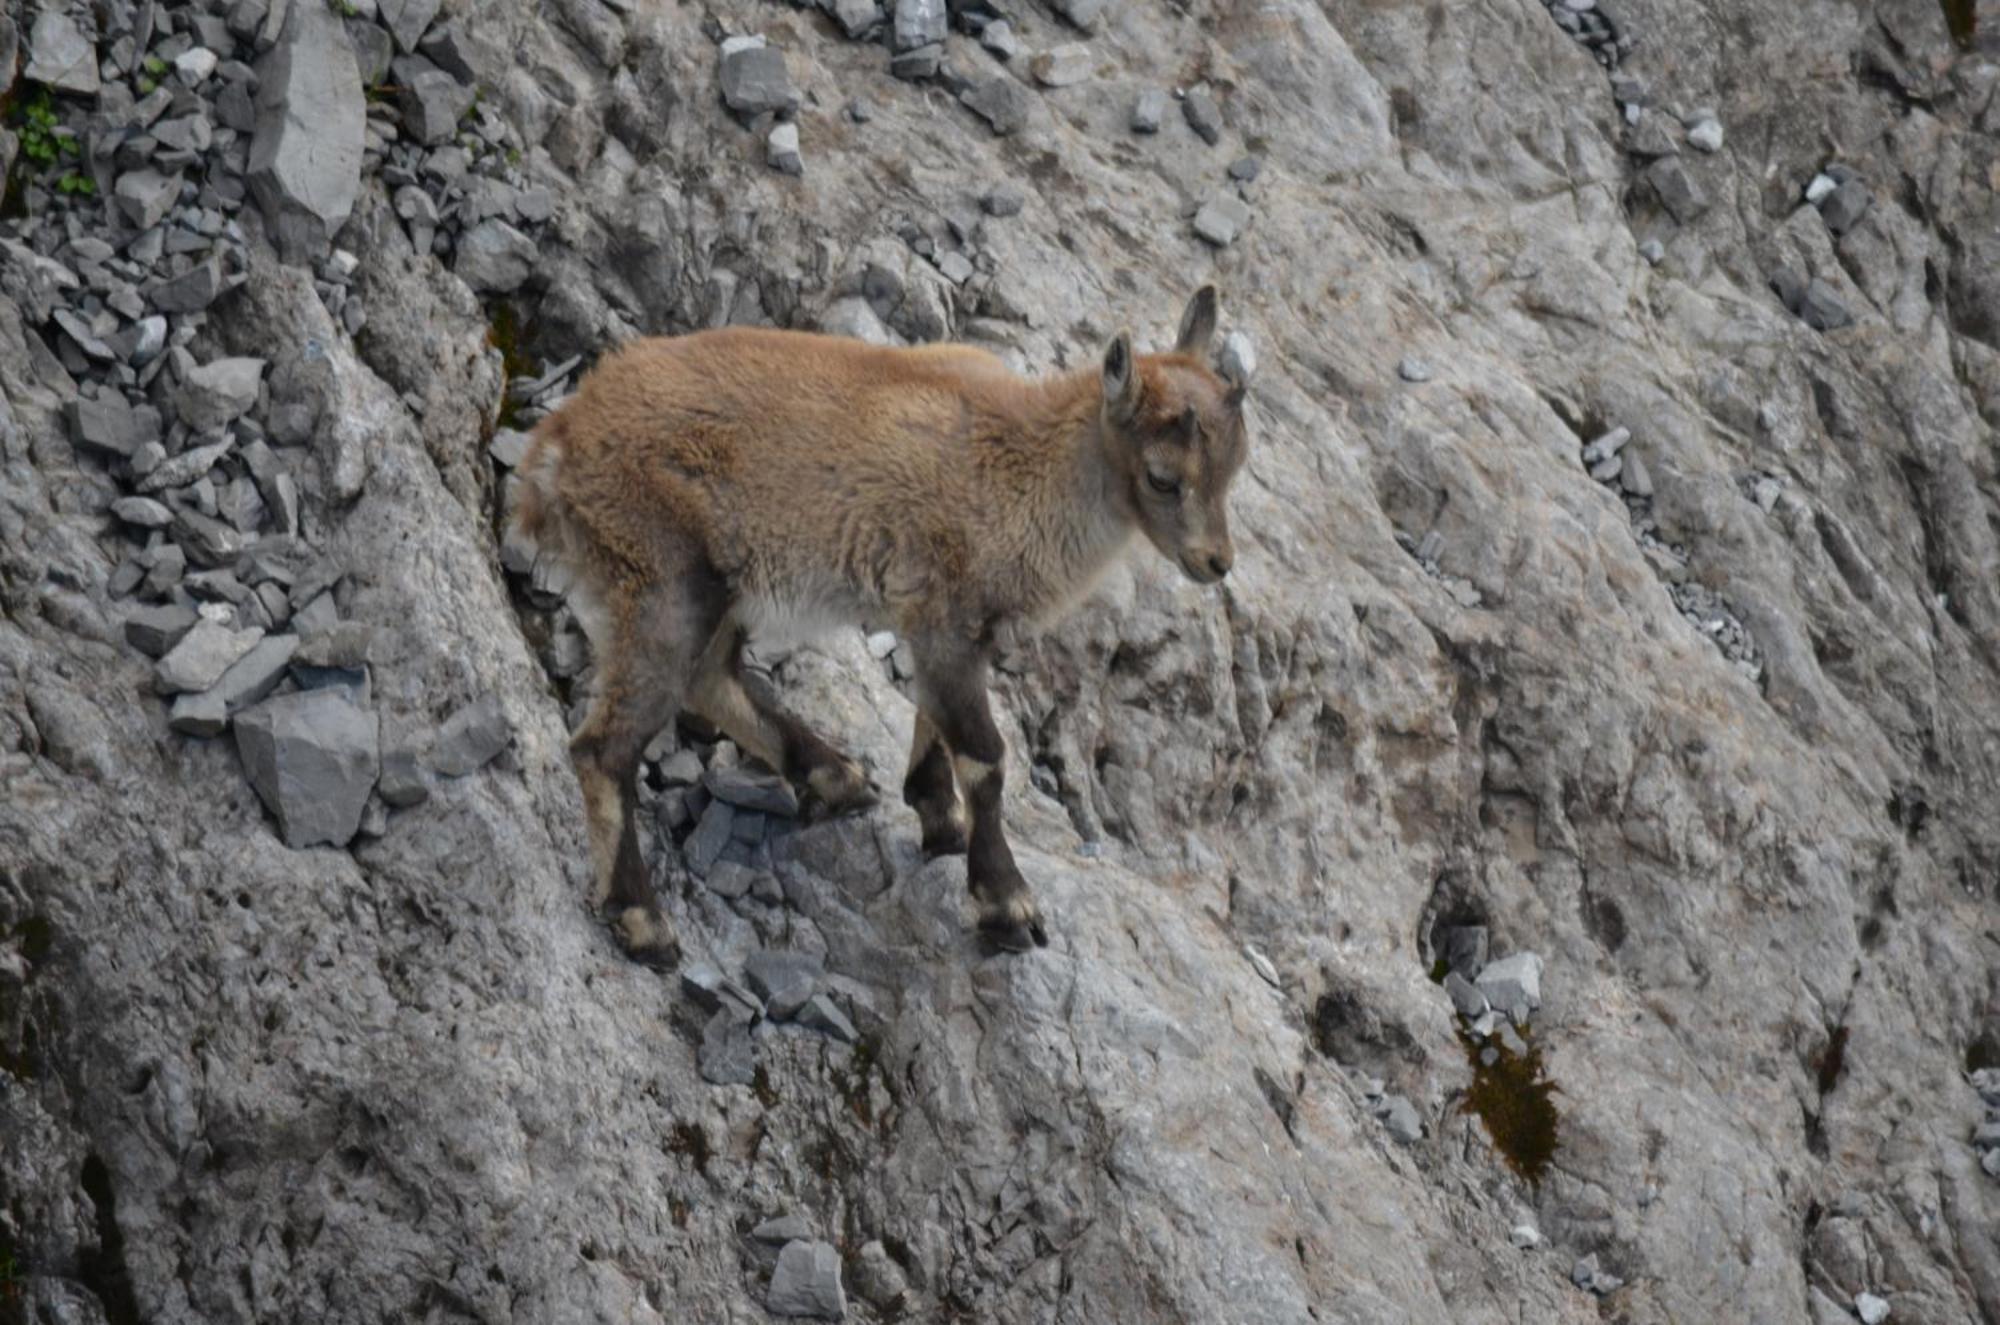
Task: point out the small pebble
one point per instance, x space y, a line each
1413 369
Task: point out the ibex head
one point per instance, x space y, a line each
1175 436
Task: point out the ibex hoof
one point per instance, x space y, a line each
647 937
1013 925
838 789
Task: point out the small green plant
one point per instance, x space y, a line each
41 136
74 183
154 66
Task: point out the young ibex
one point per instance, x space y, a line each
703 488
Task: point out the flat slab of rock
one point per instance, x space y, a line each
154 630
305 159
218 393
807 1283
312 758
1513 985
202 656
728 1056
755 80
784 980
62 55
765 793
471 737
494 258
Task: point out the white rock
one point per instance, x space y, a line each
1872 1309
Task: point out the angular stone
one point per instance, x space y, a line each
1221 219
728 1056
154 630
1002 102
205 714
681 769
1676 189
304 167
189 292
918 23
144 197
312 759
407 20
1149 111
403 780
1845 206
1513 985
1871 1309
471 737
999 38
783 1229
1822 308
783 979
218 393
1465 997
728 880
111 426
432 102
256 674
446 47
494 258
766 793
821 1014
1083 13
1202 114
509 446
1062 66
807 1280
198 661
878 1278
1402 1121
1706 135
61 55
143 511
781 150
141 342
919 64
711 835
185 468
755 80
208 542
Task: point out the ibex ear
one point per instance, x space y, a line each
1121 379
1197 323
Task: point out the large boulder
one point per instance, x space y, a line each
305 158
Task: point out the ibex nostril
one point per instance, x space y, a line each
1219 563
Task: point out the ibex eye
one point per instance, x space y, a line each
1166 487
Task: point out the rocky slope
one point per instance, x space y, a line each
1618 583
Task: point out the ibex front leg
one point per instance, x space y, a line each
951 692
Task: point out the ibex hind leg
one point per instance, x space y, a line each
742 703
654 634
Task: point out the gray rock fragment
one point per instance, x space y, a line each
1465 996
202 656
821 1014
1676 189
144 197
1000 101
407 20
494 258
1845 205
728 1056
1705 134
403 781
217 393
1221 219
61 54
807 1280
202 715
1149 110
1202 114
1062 66
783 1229
1402 1121
304 167
154 630
1822 308
111 426
1413 369
877 1277
783 979
1513 985
1871 1309
766 793
918 23
312 758
711 835
755 80
432 102
256 674
142 512
189 292
999 38
781 149
471 737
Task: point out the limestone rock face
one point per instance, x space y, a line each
1609 678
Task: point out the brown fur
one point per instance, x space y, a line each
705 487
